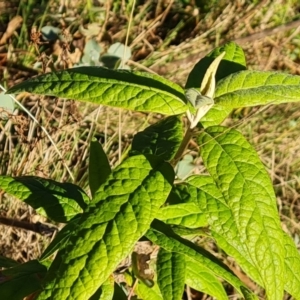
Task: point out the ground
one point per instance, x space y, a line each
165 37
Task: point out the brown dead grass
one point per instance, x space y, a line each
162 44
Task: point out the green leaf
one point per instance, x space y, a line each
121 212
203 100
190 233
292 268
251 88
203 280
60 239
215 116
91 53
248 295
118 88
161 139
6 262
185 166
242 209
182 193
99 168
208 84
32 266
22 280
120 50
162 235
146 293
170 274
233 61
106 291
184 214
58 201
184 208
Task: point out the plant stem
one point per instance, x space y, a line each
186 139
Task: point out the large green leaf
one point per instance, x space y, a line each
215 116
242 207
184 214
121 212
58 201
99 168
119 88
161 139
201 279
162 235
22 280
170 268
184 208
60 239
292 268
250 88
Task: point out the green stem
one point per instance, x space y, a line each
183 146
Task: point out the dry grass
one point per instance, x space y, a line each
167 40
20 244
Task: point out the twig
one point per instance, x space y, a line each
38 227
